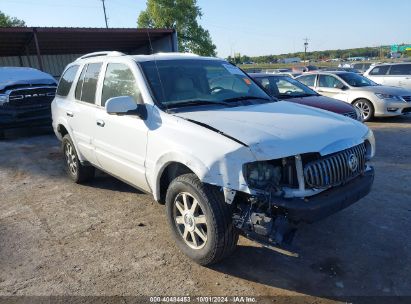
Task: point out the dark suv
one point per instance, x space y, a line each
25 98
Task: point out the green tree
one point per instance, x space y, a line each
180 15
7 21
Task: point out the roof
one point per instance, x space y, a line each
62 40
170 56
266 75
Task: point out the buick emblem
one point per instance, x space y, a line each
352 162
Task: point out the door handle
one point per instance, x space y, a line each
100 123
69 114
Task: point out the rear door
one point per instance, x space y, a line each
330 86
120 140
399 76
81 117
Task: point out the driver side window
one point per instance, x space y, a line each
119 81
328 81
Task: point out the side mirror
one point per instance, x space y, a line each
125 105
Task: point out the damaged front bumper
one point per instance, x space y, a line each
322 205
274 222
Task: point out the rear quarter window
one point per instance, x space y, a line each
66 81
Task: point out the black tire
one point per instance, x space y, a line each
222 236
76 171
363 105
2 134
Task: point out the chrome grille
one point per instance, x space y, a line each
335 169
28 97
407 98
352 115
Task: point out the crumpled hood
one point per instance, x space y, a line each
10 76
386 90
280 129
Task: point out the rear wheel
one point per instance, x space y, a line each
366 108
77 172
200 220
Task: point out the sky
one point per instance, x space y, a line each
256 27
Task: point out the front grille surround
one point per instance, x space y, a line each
28 97
334 169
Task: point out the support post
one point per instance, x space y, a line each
36 42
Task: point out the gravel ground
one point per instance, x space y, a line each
106 238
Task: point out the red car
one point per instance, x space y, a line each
286 88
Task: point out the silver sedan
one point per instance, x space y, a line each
371 99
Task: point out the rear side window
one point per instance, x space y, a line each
87 83
400 69
328 81
308 80
380 70
66 81
119 81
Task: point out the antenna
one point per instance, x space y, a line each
104 9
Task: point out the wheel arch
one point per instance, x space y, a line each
170 166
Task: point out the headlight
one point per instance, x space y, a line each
261 174
370 144
388 96
359 115
4 99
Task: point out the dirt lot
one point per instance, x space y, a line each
106 238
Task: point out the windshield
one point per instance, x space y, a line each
199 82
356 80
284 87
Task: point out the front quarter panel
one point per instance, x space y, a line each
214 158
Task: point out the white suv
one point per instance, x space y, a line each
203 138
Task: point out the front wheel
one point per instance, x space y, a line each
200 220
76 171
366 109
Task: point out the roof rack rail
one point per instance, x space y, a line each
98 54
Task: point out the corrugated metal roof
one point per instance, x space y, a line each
17 41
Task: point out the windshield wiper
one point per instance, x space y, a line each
246 98
190 103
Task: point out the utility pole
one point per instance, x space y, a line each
305 48
105 15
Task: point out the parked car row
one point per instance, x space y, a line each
371 99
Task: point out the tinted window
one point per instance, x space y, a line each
119 81
400 69
67 80
308 80
356 80
380 70
284 87
86 86
328 81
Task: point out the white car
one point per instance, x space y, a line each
391 74
371 99
203 138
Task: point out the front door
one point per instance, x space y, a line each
331 86
120 140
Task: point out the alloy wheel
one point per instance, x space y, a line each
190 220
71 158
364 109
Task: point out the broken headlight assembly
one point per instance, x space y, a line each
369 141
262 174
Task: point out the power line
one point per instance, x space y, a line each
105 15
